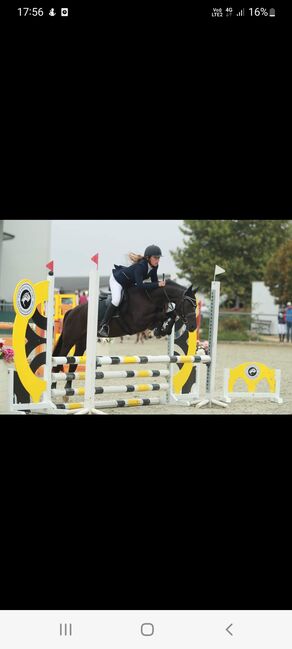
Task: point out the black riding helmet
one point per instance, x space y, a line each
152 251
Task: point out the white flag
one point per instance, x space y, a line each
218 270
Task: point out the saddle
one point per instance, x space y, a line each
108 297
103 296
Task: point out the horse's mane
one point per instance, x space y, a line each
170 282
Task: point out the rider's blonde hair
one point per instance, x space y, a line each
135 258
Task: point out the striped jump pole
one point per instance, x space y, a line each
110 389
115 403
130 360
123 374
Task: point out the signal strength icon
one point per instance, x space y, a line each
240 13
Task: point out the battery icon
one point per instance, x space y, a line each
272 13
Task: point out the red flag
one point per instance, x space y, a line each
95 259
50 266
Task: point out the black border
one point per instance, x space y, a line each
167 514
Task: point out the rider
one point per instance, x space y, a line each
123 277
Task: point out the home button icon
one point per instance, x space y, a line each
147 629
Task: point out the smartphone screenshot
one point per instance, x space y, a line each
145 269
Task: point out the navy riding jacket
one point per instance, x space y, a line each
135 275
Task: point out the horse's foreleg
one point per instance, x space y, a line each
168 325
164 328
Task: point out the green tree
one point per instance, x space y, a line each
278 275
241 247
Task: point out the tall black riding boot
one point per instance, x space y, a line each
104 326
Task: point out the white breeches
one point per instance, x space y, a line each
282 329
117 291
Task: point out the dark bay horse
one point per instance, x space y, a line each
139 310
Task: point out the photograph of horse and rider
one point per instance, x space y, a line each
207 297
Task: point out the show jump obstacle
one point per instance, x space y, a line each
31 393
250 375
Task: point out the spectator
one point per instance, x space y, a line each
83 298
288 317
281 325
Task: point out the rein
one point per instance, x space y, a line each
180 307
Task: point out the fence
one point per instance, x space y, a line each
239 325
7 313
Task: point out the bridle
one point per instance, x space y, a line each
187 298
181 307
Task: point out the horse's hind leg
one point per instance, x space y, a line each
79 351
57 351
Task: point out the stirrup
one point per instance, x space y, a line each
104 330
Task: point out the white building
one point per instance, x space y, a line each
25 255
264 309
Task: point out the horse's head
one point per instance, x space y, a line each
186 308
185 302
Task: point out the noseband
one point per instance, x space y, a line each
181 307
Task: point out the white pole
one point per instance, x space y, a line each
50 315
212 351
213 338
170 351
91 337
